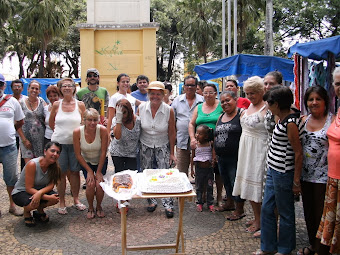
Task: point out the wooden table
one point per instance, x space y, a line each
180 237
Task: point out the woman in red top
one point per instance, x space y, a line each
329 229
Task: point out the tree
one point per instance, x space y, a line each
199 24
45 20
269 48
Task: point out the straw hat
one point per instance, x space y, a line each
156 85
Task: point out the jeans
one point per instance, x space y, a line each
8 157
278 193
228 169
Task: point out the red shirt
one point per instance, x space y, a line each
243 102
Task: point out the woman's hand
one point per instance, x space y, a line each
35 198
54 198
193 143
27 144
172 161
90 180
192 173
296 188
119 114
99 177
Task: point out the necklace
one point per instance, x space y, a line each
30 104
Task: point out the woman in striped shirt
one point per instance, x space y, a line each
283 176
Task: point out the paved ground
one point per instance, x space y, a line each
205 233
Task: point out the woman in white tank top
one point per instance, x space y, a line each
90 145
66 115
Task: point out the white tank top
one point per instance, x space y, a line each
90 151
65 123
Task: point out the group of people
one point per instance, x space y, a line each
257 148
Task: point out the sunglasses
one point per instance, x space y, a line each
92 75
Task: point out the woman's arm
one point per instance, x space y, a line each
117 131
112 113
293 137
81 160
54 110
192 163
82 110
191 129
103 150
172 136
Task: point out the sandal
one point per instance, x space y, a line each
100 213
303 251
257 234
234 217
80 207
252 229
41 217
62 210
211 208
29 222
90 214
14 211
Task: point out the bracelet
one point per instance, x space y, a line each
296 185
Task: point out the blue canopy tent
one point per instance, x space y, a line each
245 66
317 50
44 82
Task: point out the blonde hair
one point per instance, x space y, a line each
91 112
254 83
336 72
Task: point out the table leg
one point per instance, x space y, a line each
123 228
180 225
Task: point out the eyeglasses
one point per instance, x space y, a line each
67 86
92 75
17 87
190 85
209 93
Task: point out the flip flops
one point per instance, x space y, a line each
41 217
90 214
62 210
252 229
80 207
29 222
235 217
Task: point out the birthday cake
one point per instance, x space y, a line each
165 181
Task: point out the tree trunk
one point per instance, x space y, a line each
171 60
269 47
42 61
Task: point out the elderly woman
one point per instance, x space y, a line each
90 145
252 150
34 189
123 86
227 136
157 137
52 93
66 115
32 139
126 132
329 230
315 165
208 114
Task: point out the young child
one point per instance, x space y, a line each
283 177
203 156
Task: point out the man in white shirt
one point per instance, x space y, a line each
184 106
11 119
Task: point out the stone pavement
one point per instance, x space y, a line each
205 232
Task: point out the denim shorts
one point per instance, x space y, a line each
9 157
94 168
23 198
67 159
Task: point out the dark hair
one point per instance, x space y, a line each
209 131
233 81
281 95
201 84
52 89
210 85
229 93
190 77
34 81
54 171
168 85
322 92
277 75
121 75
142 77
17 81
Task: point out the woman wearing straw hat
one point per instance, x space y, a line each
157 137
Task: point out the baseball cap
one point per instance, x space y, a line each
92 70
2 78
